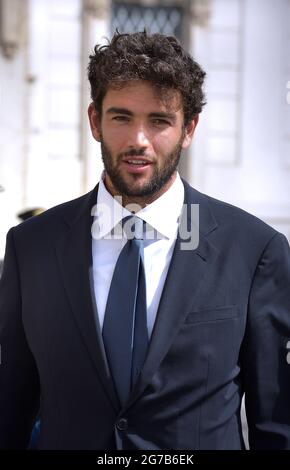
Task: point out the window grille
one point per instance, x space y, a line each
130 17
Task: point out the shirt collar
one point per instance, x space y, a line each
162 214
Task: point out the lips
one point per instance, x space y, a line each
136 164
137 160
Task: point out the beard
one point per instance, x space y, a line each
159 178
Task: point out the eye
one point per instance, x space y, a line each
120 118
160 122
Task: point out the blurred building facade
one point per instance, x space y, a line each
241 152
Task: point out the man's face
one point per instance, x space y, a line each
141 139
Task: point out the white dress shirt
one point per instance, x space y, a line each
162 215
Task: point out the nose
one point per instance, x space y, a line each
139 136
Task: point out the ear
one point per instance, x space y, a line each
189 131
95 122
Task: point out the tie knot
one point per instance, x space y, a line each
133 227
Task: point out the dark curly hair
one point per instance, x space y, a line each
159 59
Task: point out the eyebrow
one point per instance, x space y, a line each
119 111
158 114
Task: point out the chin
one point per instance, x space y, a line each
136 186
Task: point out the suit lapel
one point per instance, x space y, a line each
186 274
75 260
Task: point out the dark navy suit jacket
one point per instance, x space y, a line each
221 330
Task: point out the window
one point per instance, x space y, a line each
130 17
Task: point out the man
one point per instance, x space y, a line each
217 313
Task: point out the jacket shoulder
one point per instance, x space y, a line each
56 218
236 216
231 220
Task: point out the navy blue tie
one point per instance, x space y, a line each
125 331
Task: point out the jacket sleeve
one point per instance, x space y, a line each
19 382
265 359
